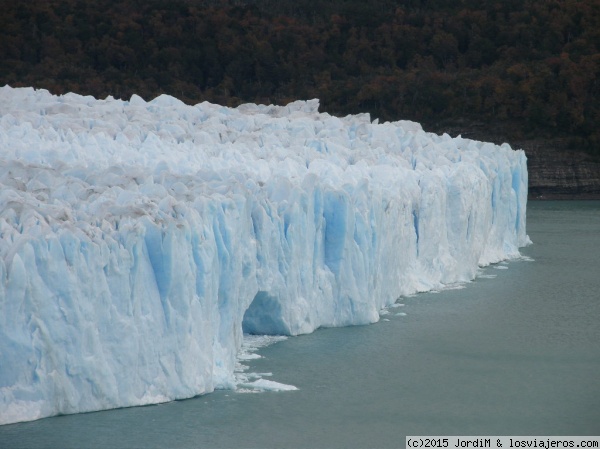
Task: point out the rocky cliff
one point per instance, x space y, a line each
556 171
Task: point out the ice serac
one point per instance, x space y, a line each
139 240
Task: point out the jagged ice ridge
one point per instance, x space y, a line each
140 240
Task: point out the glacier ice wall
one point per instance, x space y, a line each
139 240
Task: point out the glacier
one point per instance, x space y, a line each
140 240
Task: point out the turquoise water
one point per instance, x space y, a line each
516 352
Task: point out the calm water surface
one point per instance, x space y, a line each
516 352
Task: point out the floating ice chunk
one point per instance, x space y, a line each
268 385
250 345
458 286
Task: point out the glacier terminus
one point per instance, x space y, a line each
140 240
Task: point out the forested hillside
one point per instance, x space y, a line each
531 64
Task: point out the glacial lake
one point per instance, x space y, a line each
515 352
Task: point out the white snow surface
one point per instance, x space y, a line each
139 240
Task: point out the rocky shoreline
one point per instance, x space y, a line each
556 173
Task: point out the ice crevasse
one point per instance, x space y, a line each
140 240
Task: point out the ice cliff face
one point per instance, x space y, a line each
139 240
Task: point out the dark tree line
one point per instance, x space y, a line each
532 63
